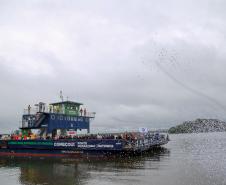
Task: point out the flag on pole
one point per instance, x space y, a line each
143 130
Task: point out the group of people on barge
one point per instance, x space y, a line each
126 136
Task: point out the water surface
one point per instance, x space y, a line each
189 159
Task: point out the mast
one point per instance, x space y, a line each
61 96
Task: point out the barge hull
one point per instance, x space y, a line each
53 153
74 149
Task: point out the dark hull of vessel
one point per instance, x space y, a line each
56 153
72 149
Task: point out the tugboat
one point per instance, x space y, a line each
56 129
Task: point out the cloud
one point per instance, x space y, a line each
147 63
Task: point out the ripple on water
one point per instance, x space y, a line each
189 159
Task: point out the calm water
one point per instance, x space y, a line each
191 159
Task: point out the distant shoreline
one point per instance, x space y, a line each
199 126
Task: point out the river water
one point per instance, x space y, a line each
188 159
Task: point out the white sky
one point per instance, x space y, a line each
136 63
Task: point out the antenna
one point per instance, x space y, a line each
61 96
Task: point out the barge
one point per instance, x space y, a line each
52 131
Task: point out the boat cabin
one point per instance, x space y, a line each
57 118
66 107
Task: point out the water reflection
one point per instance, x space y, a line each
33 171
190 159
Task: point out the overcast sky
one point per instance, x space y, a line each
143 63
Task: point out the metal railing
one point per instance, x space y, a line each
33 111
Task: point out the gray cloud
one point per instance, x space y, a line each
136 63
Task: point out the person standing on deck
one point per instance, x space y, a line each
81 111
50 108
29 109
84 111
